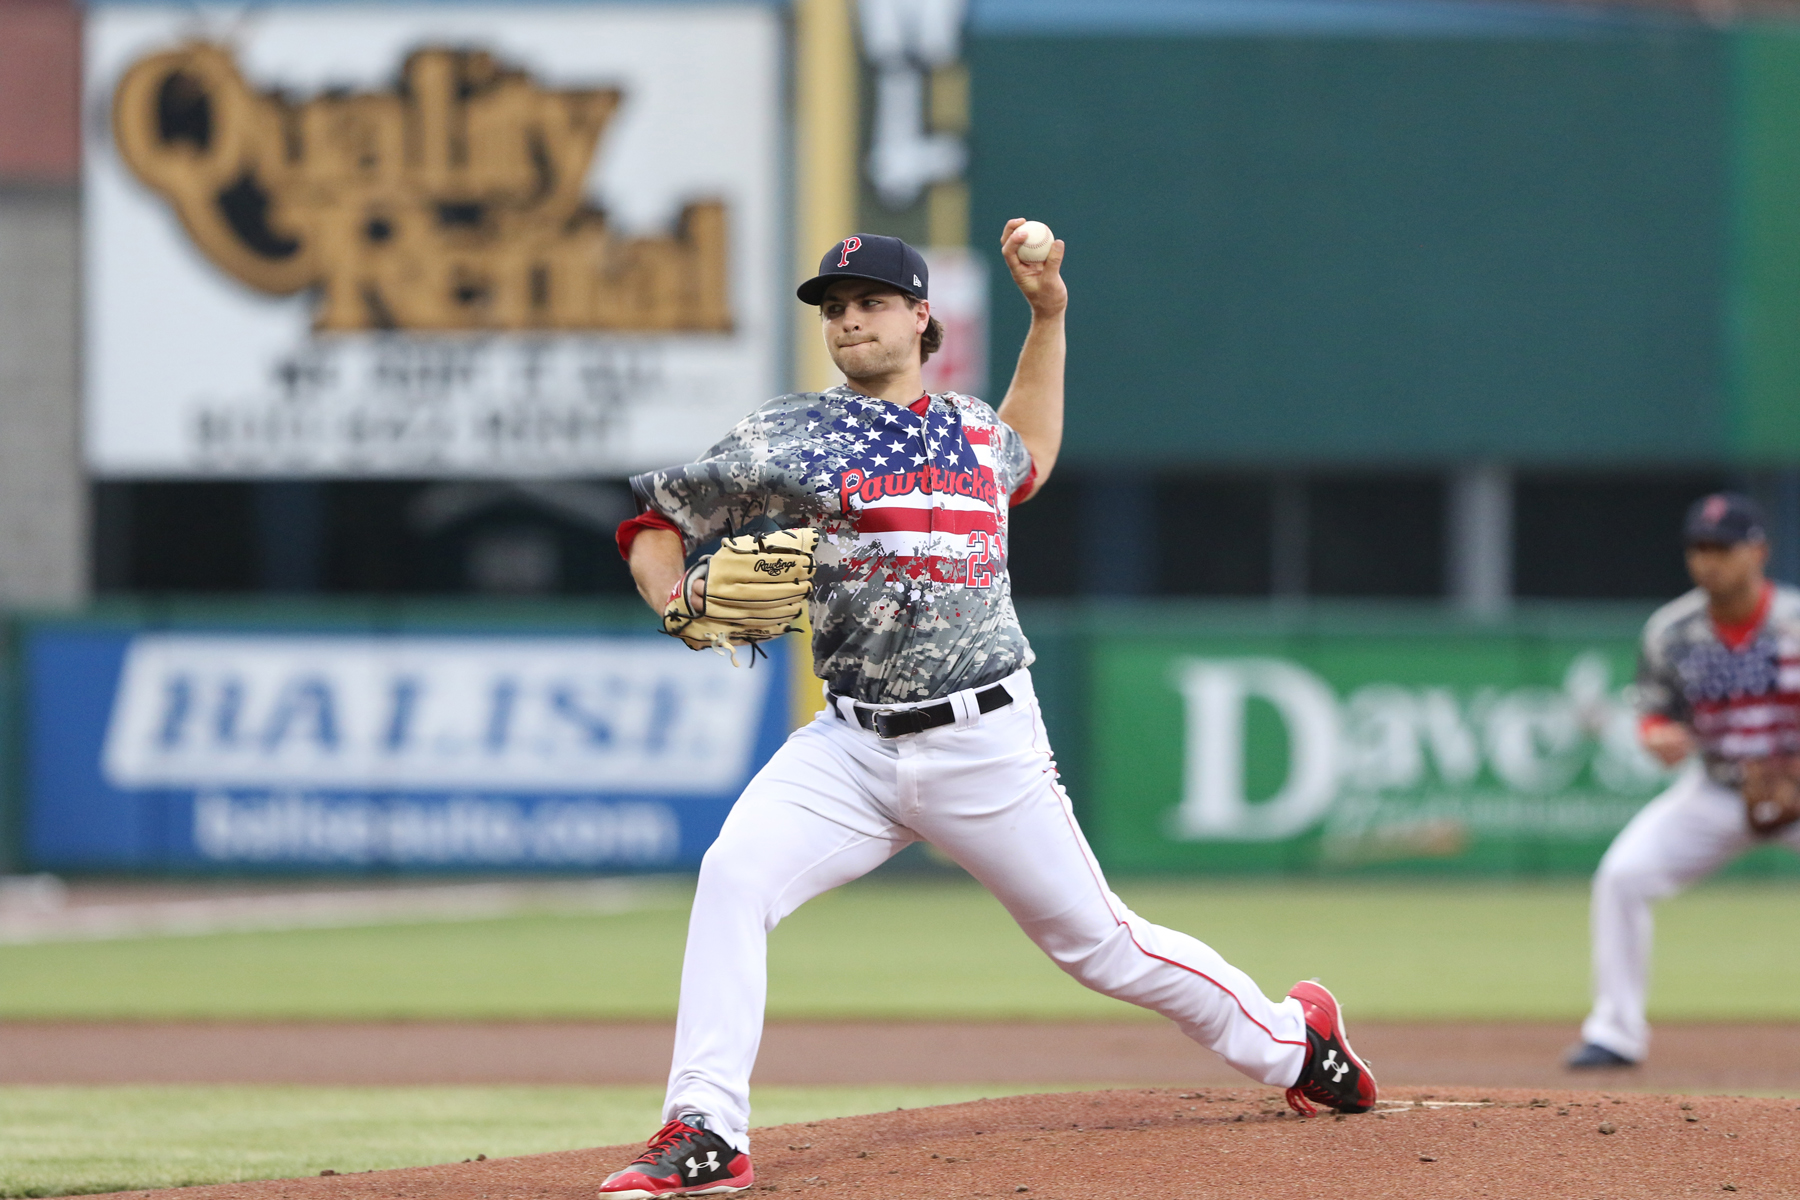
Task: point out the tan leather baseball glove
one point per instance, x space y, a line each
757 586
1771 794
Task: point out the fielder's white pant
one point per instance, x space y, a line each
836 801
1679 838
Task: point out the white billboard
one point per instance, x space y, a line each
198 749
621 715
415 240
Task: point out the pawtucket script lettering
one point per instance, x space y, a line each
978 484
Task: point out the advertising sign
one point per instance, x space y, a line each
1499 752
331 239
959 299
293 751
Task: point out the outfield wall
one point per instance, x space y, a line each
1402 234
207 739
1348 739
453 737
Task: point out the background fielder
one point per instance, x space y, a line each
1718 681
930 729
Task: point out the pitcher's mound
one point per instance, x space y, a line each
1152 1143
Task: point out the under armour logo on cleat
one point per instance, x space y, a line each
1339 1069
711 1163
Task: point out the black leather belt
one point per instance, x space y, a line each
898 722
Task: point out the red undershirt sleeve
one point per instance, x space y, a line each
648 519
1026 486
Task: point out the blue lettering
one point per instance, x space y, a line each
178 701
502 700
405 702
304 700
665 709
594 729
230 711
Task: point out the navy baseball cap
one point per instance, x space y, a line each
869 256
1723 519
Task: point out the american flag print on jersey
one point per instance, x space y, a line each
1742 702
911 599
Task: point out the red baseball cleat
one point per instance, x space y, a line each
1333 1075
682 1160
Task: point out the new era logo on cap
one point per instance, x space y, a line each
882 259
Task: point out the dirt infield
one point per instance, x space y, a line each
1687 1058
1154 1143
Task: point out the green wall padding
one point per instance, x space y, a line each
1372 250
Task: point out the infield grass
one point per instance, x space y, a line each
929 949
60 1140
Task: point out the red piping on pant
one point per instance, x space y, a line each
1076 830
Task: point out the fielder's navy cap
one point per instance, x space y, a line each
1723 519
869 256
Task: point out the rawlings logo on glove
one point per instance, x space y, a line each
755 588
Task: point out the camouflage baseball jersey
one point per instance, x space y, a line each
1741 703
911 600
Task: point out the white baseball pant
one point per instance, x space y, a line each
836 801
1679 838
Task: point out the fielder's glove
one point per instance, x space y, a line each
757 586
1771 794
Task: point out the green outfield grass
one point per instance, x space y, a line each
945 950
60 1140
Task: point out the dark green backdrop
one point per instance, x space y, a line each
1393 250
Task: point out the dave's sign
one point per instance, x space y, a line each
1489 751
300 750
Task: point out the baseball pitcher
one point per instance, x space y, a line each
1718 686
885 511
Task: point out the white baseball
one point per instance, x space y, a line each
1038 239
